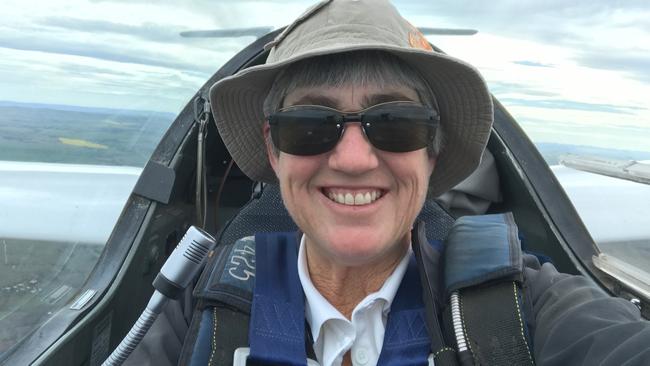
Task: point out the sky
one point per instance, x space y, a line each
571 72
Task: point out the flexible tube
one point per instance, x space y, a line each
137 332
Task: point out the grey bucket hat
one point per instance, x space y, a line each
336 26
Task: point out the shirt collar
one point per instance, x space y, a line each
318 310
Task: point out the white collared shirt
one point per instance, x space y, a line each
333 334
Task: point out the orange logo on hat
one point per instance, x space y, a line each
417 40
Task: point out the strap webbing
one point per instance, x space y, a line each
223 339
501 340
427 256
277 330
406 340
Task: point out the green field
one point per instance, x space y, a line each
75 135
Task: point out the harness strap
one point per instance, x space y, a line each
503 339
406 340
277 329
216 340
483 273
428 263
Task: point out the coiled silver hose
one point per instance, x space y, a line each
138 331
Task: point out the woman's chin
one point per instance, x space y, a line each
353 249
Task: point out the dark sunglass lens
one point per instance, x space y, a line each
304 131
400 128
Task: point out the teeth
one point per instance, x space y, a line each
356 199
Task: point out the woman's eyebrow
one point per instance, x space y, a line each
375 99
368 100
316 100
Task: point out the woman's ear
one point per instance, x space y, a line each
270 151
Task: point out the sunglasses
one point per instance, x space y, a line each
393 126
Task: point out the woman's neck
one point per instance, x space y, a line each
346 286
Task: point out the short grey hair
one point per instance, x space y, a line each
352 68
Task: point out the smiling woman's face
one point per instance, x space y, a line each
344 233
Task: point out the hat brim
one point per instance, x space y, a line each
464 101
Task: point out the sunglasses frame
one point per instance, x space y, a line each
342 118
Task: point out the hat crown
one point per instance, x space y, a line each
363 22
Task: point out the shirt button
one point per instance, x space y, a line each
361 356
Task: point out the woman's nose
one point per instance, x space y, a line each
353 154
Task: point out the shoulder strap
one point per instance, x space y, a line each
427 255
277 330
483 275
480 249
224 293
502 340
217 333
406 339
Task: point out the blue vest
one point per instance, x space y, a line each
277 330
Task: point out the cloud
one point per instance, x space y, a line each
232 14
573 105
97 51
532 63
110 54
521 15
136 33
637 64
611 136
91 71
146 31
507 88
585 26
